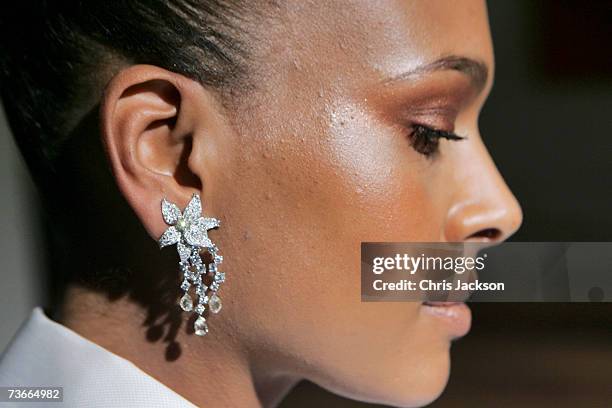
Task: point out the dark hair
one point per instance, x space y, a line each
57 56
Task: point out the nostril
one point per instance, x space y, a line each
489 233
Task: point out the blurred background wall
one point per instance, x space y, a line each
22 270
548 125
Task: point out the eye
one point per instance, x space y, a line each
425 140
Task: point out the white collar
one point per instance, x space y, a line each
45 353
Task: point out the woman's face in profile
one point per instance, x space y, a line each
338 145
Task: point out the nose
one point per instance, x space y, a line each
483 208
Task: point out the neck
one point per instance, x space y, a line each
211 371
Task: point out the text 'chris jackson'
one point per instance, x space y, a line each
430 285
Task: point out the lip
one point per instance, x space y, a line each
457 316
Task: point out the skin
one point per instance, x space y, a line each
314 161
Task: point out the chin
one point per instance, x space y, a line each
422 384
416 383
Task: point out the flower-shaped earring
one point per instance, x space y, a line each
189 231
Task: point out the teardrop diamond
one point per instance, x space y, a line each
200 326
215 303
186 303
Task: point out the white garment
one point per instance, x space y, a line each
45 353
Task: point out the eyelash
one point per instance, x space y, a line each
425 140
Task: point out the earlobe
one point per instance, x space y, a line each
148 130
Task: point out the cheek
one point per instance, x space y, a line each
297 210
383 187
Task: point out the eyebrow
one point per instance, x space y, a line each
477 71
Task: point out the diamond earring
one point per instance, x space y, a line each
189 231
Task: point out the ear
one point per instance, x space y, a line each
154 123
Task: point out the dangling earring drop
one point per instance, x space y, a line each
189 231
